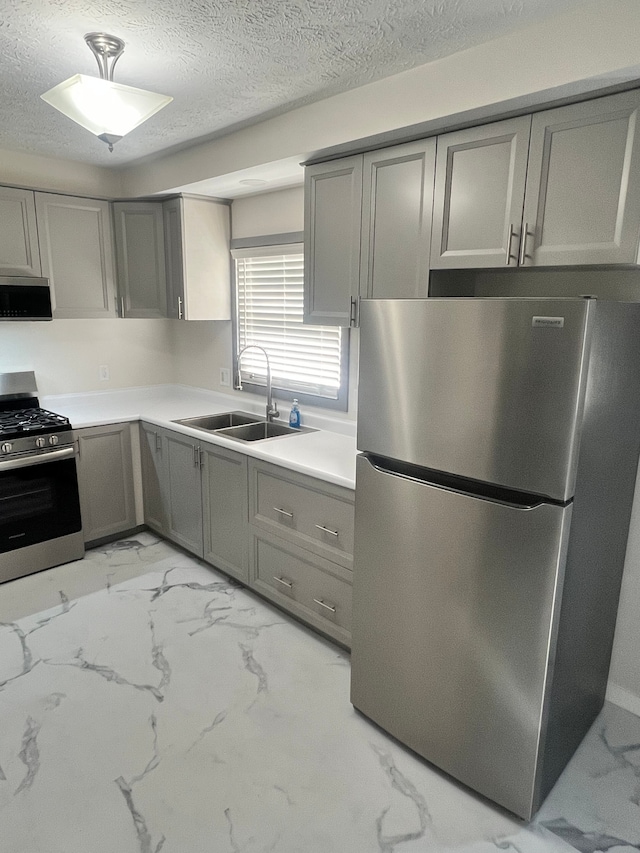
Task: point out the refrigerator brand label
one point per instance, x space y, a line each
552 322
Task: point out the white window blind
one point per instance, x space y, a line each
304 358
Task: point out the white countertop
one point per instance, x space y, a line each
328 454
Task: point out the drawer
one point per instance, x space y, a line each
313 589
312 513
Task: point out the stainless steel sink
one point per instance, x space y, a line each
211 423
261 431
241 426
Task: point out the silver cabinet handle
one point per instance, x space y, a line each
322 604
284 582
195 456
122 306
523 244
327 530
200 457
353 311
510 255
283 512
158 441
179 307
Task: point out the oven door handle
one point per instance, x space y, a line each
37 459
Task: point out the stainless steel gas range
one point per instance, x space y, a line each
40 523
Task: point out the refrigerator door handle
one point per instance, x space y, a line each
459 485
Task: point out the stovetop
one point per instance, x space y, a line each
16 423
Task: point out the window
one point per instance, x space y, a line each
307 362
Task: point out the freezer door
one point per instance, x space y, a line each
489 389
455 603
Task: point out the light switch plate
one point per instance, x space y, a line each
104 372
225 376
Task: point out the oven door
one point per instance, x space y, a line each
38 499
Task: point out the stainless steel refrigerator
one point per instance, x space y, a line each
499 443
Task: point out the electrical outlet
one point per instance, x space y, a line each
104 372
225 377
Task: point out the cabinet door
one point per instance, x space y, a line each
332 220
479 195
19 253
139 237
583 187
153 454
225 512
105 480
396 221
184 492
172 214
76 248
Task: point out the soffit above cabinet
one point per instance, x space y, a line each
227 65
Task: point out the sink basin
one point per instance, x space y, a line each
211 423
261 431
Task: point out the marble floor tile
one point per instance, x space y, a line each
171 710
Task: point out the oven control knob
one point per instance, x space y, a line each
41 442
6 447
53 439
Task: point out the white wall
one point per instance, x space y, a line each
597 42
270 213
57 175
66 354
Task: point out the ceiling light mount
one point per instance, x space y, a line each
107 51
109 110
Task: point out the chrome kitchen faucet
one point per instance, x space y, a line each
272 409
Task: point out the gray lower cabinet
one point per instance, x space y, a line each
195 494
105 480
76 249
140 258
479 193
301 546
314 589
171 486
396 221
19 253
225 510
184 492
287 536
153 457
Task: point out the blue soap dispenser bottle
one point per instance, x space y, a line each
294 415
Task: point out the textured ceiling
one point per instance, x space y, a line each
225 62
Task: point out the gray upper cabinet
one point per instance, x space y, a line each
396 220
225 511
184 498
19 254
332 222
196 236
582 203
140 258
479 195
105 480
76 248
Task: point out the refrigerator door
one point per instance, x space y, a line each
488 389
455 604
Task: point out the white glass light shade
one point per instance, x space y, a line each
104 107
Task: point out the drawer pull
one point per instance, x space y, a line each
327 530
283 512
326 606
284 582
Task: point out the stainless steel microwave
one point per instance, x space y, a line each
25 298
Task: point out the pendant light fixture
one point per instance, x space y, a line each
108 109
